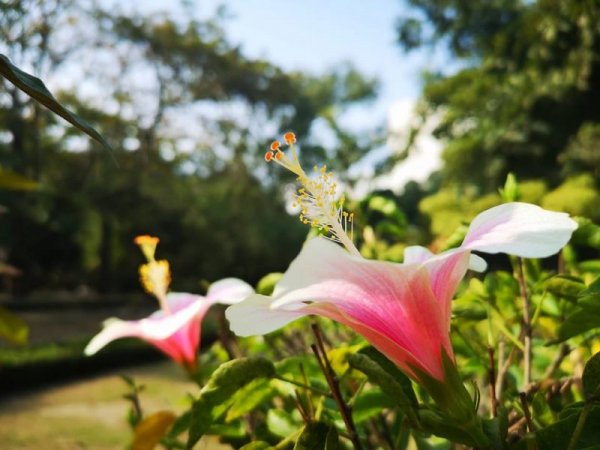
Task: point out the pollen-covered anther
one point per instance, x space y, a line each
317 196
289 138
155 278
268 156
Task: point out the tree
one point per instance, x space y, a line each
189 117
525 98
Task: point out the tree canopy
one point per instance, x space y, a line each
525 96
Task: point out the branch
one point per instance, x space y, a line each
526 325
332 381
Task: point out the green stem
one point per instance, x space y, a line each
580 424
526 326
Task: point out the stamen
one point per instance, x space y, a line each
268 156
155 276
317 198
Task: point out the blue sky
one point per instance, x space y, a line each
315 35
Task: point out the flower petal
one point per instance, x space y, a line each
156 327
393 301
519 229
477 263
229 291
113 329
416 254
254 316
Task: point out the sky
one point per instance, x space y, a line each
315 35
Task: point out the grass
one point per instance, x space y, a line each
91 414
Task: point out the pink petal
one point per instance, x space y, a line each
519 229
176 334
229 291
446 271
392 305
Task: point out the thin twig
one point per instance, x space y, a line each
309 399
319 351
526 325
563 351
492 378
499 381
502 371
526 411
224 335
387 435
305 417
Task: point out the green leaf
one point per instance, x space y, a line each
456 238
35 88
217 395
591 265
564 286
387 376
579 322
558 435
13 328
592 289
281 423
591 377
369 403
318 436
249 397
13 181
442 426
267 283
258 445
588 233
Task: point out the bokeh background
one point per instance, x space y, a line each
421 107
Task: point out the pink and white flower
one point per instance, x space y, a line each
174 329
404 310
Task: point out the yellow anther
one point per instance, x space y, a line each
155 277
316 198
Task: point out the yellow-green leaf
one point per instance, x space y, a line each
13 328
151 430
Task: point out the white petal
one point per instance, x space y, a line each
113 329
477 263
180 300
416 254
319 260
519 229
229 291
254 316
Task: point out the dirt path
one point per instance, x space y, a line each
90 414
